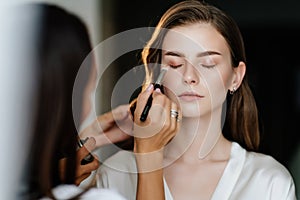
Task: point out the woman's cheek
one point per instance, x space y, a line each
216 83
171 84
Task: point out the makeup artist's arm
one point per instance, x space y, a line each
150 138
111 127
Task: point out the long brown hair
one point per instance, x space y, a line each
242 124
62 44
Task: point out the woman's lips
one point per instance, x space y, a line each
189 96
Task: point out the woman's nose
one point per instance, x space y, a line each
190 75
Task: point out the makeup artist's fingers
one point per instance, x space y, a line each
82 153
156 134
112 135
83 171
174 125
90 144
108 119
87 168
168 129
78 180
159 132
164 103
88 147
162 112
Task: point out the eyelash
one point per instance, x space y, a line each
175 66
206 66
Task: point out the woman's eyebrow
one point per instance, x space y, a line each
173 53
201 54
208 53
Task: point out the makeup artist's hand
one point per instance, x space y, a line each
150 138
111 127
159 127
82 171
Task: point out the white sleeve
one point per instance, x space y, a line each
119 173
102 178
283 187
69 191
103 194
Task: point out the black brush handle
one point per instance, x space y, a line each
149 104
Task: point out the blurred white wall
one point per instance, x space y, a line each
17 95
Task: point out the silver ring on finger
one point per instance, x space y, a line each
174 113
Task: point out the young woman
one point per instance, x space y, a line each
213 154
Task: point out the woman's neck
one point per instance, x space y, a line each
199 138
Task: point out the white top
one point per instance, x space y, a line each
69 191
247 176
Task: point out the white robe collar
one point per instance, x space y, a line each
230 175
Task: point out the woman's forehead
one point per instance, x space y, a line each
194 39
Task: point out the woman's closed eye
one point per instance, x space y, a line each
207 62
209 66
175 66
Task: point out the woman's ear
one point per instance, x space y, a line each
239 73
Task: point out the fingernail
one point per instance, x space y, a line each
157 90
91 142
150 87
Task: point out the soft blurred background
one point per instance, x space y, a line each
271 31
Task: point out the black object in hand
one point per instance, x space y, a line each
89 158
149 103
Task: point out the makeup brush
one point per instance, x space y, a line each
157 84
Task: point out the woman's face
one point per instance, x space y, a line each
200 71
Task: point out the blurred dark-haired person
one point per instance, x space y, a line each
55 166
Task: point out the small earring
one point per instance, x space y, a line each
232 91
